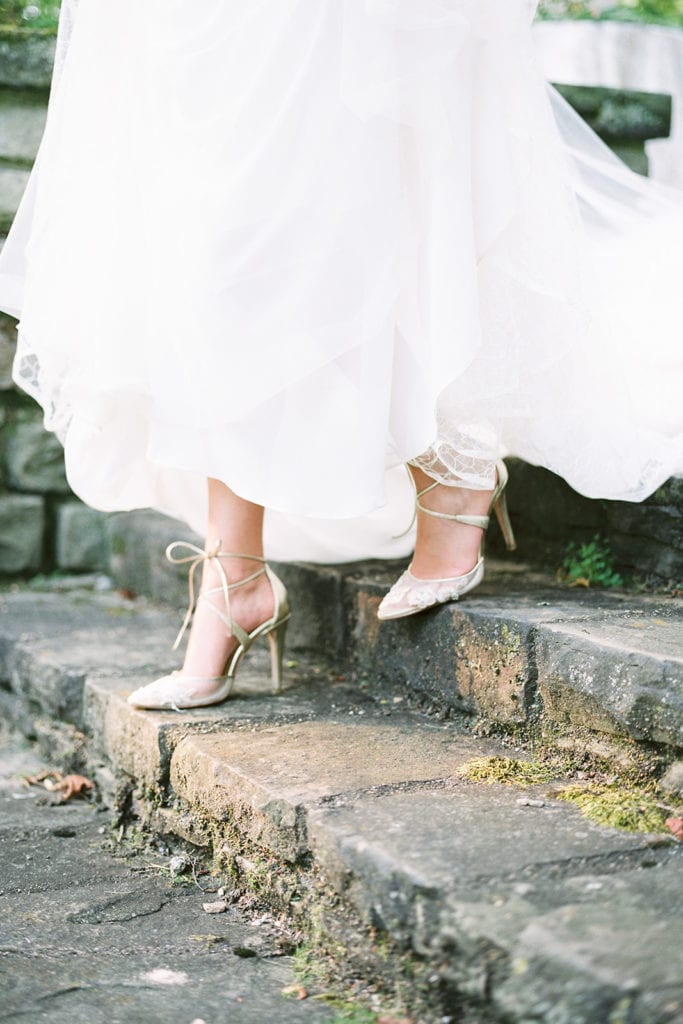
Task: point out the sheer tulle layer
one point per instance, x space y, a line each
292 244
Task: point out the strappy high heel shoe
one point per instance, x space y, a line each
179 691
410 595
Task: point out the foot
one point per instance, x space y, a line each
447 562
445 549
210 645
201 680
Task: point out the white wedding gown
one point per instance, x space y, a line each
294 243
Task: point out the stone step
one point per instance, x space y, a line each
522 653
26 58
347 810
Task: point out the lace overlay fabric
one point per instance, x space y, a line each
461 460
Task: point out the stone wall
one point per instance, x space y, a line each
646 537
622 56
43 527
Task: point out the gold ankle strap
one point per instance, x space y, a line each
198 556
474 520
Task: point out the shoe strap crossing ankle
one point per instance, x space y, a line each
468 520
473 520
197 557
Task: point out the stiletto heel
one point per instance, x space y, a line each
503 517
178 691
410 594
276 639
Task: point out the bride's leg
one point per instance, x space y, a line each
447 561
238 525
444 548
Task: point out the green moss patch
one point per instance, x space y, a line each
511 770
615 803
636 810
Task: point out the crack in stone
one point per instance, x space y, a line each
61 992
612 863
97 914
348 797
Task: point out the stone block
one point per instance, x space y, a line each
648 538
547 514
620 114
399 855
645 537
135 744
623 676
107 636
672 782
13 181
317 622
461 659
585 946
36 674
267 780
137 541
35 460
26 59
141 743
81 543
22 522
22 122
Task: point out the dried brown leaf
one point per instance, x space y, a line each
72 785
675 825
298 991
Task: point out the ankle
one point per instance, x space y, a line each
444 548
451 497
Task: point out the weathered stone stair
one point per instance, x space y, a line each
340 801
522 653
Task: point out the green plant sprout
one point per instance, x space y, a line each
589 565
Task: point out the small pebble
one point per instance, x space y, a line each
178 864
219 907
527 801
163 976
